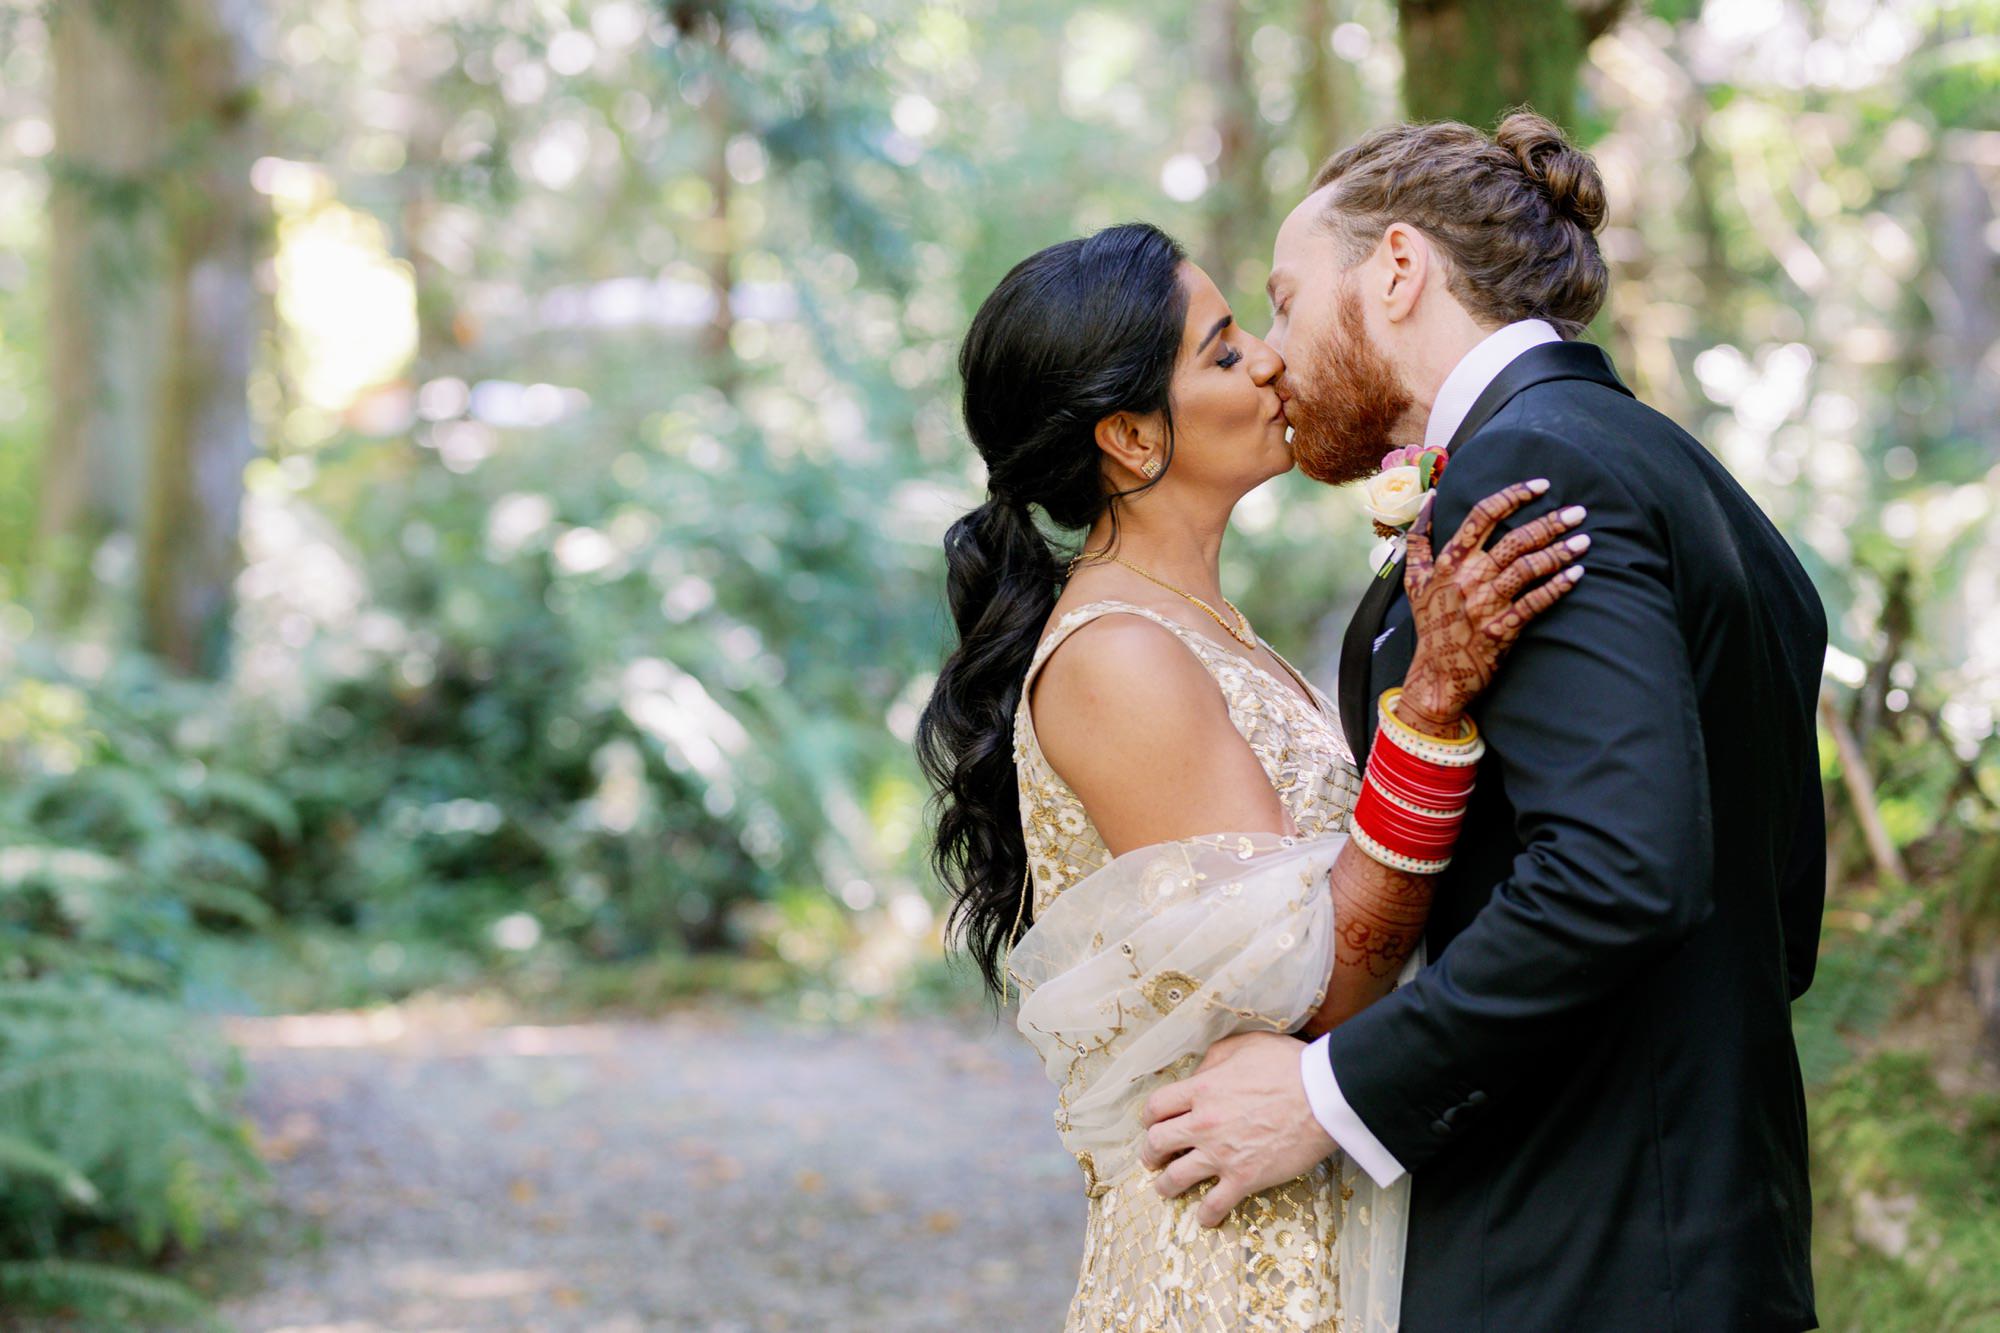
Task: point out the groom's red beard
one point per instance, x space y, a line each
1345 408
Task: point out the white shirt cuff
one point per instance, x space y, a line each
1338 1118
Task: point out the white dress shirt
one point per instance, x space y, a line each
1455 397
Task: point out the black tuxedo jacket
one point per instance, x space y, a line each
1593 1082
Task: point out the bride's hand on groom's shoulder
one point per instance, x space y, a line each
1471 602
1241 1119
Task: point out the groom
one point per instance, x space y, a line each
1592 1083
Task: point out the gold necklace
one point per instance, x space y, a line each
1242 636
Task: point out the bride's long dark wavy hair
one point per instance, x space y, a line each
1071 335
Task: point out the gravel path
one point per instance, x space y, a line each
704 1171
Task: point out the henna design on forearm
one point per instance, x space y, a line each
1378 952
1379 915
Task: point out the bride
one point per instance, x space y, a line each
1147 817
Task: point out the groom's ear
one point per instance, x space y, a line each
1405 260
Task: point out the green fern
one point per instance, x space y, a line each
111 801
121 1066
20 1157
53 956
117 1120
47 997
225 789
30 867
107 1291
228 900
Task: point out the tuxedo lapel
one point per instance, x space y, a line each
1537 365
1357 650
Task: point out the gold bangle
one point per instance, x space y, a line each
1455 752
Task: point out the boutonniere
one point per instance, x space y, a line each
1394 496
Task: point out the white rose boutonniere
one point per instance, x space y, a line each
1394 496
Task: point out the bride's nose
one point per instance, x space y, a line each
1265 363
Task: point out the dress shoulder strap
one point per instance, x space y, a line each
1026 743
1083 615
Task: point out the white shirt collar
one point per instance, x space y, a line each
1477 369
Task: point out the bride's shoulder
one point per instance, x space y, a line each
1122 672
1131 720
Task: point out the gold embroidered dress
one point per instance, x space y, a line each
1135 965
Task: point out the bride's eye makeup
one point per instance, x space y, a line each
1215 331
1230 356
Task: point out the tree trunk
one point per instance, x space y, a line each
1238 196
1966 289
1705 176
1473 60
709 23
107 300
202 441
437 316
717 238
1322 101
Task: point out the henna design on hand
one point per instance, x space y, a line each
1469 602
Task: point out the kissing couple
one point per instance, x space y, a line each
1462 1004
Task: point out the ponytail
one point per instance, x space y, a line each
1001 584
1072 334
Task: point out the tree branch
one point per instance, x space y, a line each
1860 784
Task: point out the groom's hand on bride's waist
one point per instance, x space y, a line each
1241 1119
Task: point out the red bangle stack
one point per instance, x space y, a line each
1414 794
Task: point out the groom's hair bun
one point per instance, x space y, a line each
1567 175
1515 213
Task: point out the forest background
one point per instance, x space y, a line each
472 474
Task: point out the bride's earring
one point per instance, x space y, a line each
1151 467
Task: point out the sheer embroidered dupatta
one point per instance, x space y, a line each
1133 972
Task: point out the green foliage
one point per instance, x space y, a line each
121 842
641 694
1909 1182
117 1140
121 851
1905 1173
103 1295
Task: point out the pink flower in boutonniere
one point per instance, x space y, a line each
1413 456
1394 496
